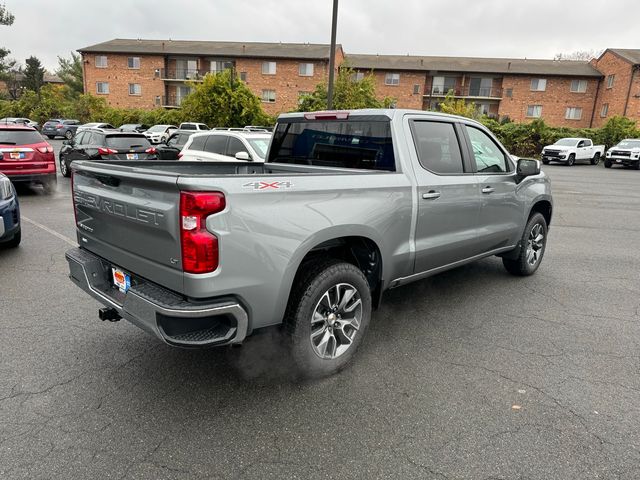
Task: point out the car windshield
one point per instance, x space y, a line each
127 142
157 128
629 144
260 145
567 142
19 137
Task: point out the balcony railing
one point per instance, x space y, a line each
182 74
483 92
173 101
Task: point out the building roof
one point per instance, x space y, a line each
629 54
209 48
473 65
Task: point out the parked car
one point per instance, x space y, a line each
133 127
347 205
97 144
568 150
9 214
21 121
60 127
160 133
26 157
174 145
626 152
226 146
193 126
101 125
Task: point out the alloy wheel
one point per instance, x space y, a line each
535 244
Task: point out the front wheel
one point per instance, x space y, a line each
571 160
636 165
546 162
532 247
607 163
327 316
596 159
64 168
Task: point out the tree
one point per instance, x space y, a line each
70 71
33 75
459 107
221 100
584 55
6 17
348 93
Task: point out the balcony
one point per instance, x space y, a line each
466 92
179 74
171 101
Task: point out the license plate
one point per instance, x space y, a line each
16 155
618 160
132 156
121 279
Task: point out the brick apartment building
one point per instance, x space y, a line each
153 73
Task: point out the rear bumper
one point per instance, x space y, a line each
171 317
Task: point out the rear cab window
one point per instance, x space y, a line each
352 143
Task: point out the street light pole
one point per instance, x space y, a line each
332 55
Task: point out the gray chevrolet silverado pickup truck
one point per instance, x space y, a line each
347 205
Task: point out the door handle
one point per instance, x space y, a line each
487 190
431 195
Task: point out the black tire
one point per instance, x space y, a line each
522 265
68 135
607 163
51 137
311 286
636 165
596 159
14 242
546 162
571 160
65 169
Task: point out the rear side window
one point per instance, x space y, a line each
235 146
19 137
122 142
198 143
437 147
216 144
187 126
93 138
79 138
343 144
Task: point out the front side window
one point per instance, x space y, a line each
268 68
392 79
269 96
573 113
102 88
610 80
305 69
101 61
534 111
437 147
135 89
133 62
234 146
578 86
538 84
488 156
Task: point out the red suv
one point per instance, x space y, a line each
26 157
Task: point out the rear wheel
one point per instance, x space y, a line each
571 160
14 242
327 316
64 168
68 135
607 163
596 159
533 244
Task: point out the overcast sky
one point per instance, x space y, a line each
490 28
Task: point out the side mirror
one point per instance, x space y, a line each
527 167
243 156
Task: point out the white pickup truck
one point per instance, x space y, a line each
568 150
626 152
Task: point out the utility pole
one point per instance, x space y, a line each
332 55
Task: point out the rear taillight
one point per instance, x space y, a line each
59 126
106 151
151 150
47 149
199 246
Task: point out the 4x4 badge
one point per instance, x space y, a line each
278 185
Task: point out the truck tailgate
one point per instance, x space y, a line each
130 217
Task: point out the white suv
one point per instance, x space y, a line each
159 133
226 146
193 126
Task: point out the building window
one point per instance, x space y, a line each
392 79
357 76
610 80
534 111
416 89
243 76
135 89
508 92
134 62
604 111
442 85
101 61
305 69
219 66
538 84
268 68
573 113
269 96
102 88
578 86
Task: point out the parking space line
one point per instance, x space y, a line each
48 230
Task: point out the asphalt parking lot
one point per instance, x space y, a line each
472 374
